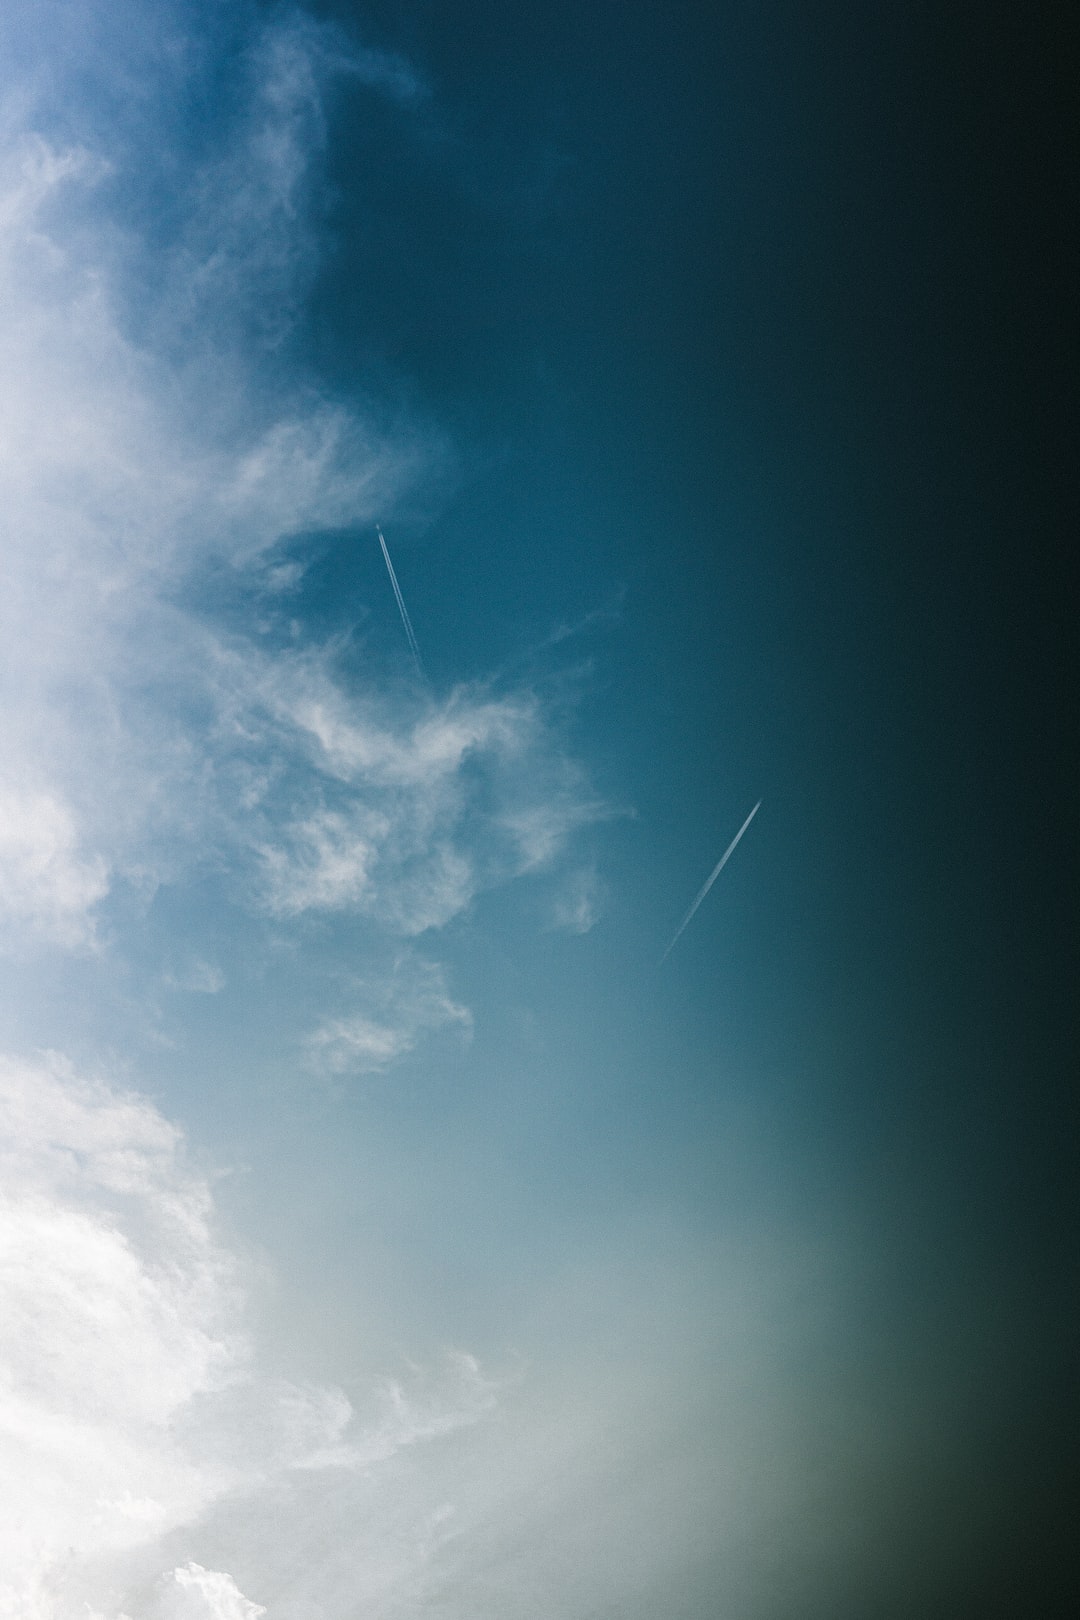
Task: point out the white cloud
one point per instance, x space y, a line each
442 802
117 1310
132 1407
579 902
359 1044
329 864
45 881
145 446
409 842
139 441
427 751
197 977
393 1015
110 496
407 1416
195 1593
540 831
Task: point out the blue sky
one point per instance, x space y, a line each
387 1230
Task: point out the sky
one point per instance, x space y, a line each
388 1227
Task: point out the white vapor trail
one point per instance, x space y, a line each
713 875
414 646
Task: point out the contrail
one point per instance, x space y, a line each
713 875
414 646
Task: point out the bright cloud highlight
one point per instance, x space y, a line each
131 1399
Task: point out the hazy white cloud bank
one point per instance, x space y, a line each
132 1406
118 1310
155 1465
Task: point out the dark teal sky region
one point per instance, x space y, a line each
735 342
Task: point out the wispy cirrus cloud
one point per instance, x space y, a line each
154 432
388 1016
429 807
579 902
119 704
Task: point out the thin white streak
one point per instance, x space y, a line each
414 646
714 874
